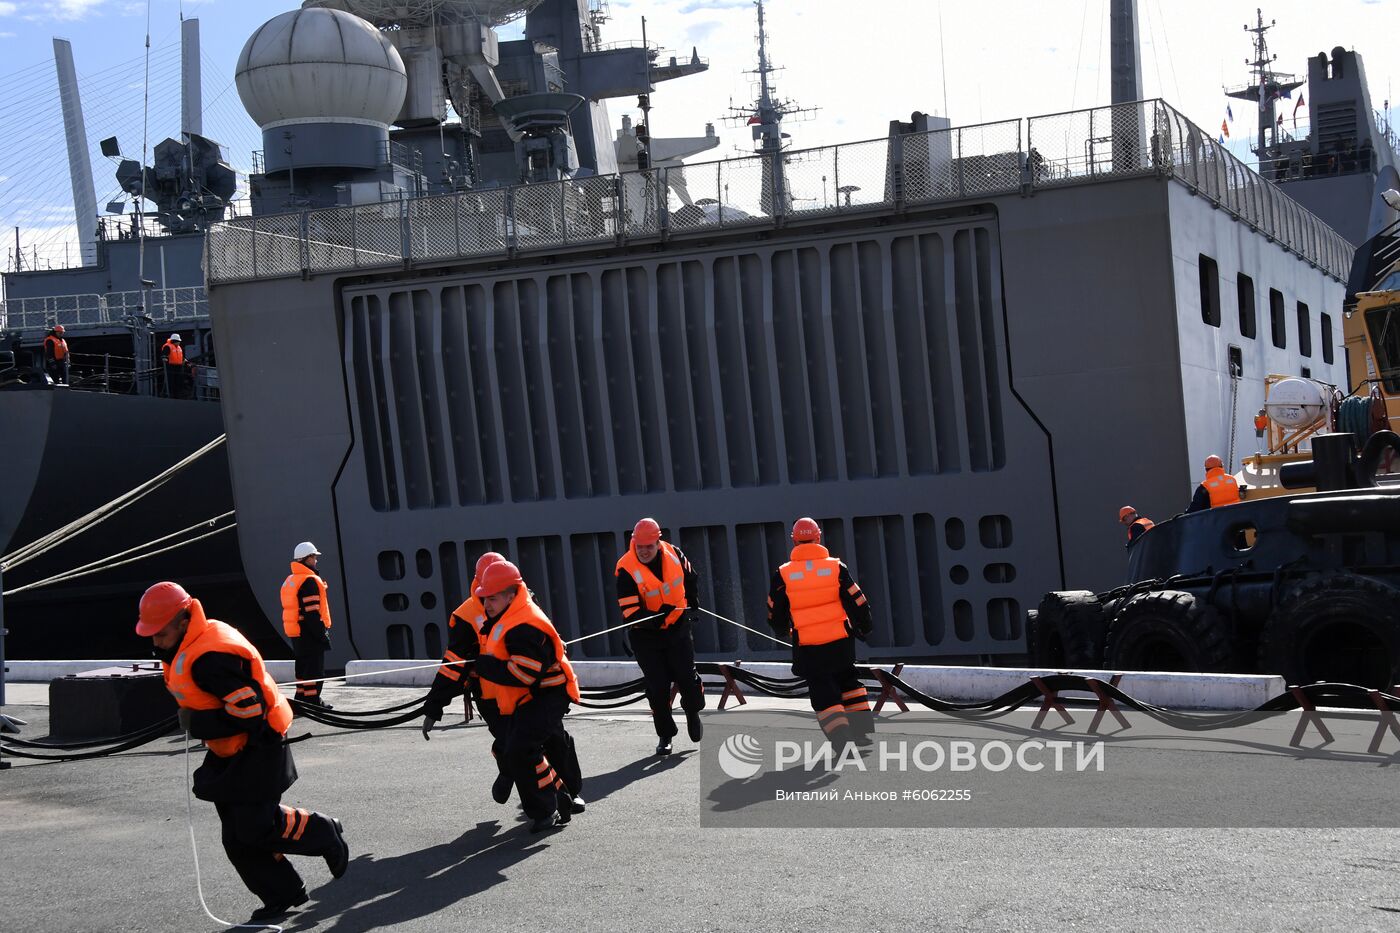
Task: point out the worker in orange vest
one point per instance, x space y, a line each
656 582
227 698
1217 489
172 354
306 618
814 601
56 355
468 629
1137 524
525 670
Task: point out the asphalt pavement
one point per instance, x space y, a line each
104 846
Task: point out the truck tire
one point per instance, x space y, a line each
1339 628
1043 643
1168 630
1078 619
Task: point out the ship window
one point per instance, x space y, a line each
1278 327
1327 352
1210 291
1304 330
1244 287
1383 324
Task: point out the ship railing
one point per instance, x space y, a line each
1140 139
161 305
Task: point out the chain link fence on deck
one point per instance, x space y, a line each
1006 157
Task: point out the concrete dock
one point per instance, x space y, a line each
103 846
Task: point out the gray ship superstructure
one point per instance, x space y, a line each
1349 155
960 348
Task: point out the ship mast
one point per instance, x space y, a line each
1268 86
766 116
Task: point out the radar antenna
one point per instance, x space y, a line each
1268 86
766 116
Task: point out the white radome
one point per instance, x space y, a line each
320 66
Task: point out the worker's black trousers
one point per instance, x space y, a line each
496 724
310 668
58 370
836 693
666 657
258 836
174 381
540 753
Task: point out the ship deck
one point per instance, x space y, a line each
103 845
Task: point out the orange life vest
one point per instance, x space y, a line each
1223 488
1145 523
60 347
669 590
206 635
523 611
470 613
293 606
813 582
177 353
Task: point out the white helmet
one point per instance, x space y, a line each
175 337
305 549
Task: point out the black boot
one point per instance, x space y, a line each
545 823
275 909
663 747
693 726
338 859
501 787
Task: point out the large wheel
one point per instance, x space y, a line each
1078 619
1168 630
1043 642
1341 628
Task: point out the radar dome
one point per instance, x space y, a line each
320 66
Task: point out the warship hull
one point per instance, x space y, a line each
962 383
68 452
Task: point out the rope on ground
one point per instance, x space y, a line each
194 850
99 515
108 563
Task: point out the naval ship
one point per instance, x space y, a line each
962 365
70 449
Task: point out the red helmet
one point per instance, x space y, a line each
486 560
1213 462
58 329
159 607
1125 511
646 531
806 531
497 578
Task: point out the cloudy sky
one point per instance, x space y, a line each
862 64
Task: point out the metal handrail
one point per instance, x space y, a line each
162 305
957 163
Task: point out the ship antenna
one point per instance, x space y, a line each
145 139
765 118
943 60
1268 86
